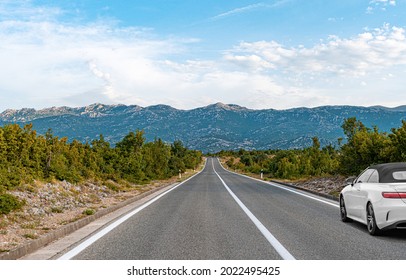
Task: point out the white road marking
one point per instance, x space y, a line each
271 239
82 246
285 188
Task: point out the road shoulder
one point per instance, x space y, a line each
74 233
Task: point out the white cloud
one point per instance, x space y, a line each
46 62
383 2
356 71
379 4
23 9
368 52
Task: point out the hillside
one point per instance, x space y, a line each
211 128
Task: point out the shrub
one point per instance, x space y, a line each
9 203
89 211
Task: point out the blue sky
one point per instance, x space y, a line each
259 54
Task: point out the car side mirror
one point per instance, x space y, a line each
350 180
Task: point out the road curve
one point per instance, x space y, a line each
201 219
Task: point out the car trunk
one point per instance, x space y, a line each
400 188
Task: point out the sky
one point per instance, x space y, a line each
275 54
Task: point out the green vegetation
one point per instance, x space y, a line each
89 212
363 147
286 164
26 156
9 203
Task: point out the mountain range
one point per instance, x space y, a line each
210 129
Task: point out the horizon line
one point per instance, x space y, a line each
211 104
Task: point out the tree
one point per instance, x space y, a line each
24 156
397 150
364 147
105 157
156 156
130 156
246 160
132 142
178 150
351 126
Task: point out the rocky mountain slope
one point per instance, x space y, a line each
211 128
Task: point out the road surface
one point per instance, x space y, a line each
218 214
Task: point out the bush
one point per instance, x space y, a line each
9 203
9 179
89 212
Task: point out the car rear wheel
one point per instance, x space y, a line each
343 211
371 221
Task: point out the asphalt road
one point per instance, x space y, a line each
201 219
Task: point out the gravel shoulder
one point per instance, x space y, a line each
49 206
330 185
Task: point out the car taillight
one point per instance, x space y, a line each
394 195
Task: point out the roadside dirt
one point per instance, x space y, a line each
331 185
49 206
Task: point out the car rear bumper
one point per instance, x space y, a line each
397 225
392 217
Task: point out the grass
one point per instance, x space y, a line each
3 224
334 193
30 225
89 212
56 209
112 185
30 236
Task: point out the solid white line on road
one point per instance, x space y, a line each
82 246
285 188
271 239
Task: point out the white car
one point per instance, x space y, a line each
376 198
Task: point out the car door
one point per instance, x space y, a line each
357 195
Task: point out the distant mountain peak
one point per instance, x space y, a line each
399 108
95 106
212 128
161 107
229 107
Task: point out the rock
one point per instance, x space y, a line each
37 211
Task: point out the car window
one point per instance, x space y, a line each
399 175
374 178
364 177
